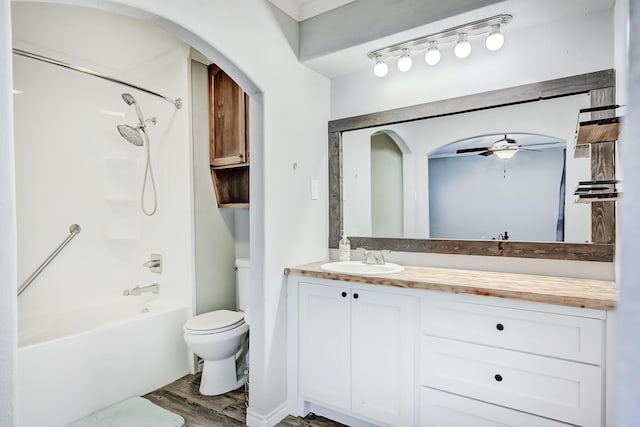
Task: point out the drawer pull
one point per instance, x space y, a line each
498 377
344 294
355 296
500 326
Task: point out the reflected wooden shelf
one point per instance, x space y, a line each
604 125
597 191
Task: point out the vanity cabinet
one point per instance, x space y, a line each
408 350
356 351
543 363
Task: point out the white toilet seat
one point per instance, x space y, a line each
214 322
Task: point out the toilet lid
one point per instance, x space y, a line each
215 321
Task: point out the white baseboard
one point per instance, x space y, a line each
338 416
271 419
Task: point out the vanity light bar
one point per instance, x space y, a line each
491 26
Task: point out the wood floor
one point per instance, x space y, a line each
182 397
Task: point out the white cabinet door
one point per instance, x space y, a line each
383 335
325 322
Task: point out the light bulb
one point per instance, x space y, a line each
495 39
405 62
506 153
432 57
381 68
463 47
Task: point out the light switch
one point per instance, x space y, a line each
315 189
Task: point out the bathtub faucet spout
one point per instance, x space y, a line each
154 288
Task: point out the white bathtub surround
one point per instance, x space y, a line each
75 165
72 164
66 372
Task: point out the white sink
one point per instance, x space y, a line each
358 267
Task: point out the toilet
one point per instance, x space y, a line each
220 338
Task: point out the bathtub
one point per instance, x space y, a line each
74 363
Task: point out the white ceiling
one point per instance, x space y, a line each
305 9
526 14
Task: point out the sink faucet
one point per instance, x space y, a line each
372 257
154 288
504 236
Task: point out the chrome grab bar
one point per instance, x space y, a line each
73 230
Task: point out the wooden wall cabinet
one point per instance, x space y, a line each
228 140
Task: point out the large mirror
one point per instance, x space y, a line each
500 173
491 174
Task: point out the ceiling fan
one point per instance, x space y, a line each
504 148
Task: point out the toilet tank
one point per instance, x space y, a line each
242 283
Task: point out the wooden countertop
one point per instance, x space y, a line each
586 293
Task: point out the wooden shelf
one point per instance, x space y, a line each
597 191
596 131
231 185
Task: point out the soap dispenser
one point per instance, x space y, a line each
344 249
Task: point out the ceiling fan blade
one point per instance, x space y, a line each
558 143
471 150
486 153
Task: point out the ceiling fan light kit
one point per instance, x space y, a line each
506 153
505 148
459 35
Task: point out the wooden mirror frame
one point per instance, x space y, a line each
600 85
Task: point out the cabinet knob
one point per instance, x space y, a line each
498 377
344 294
500 326
355 296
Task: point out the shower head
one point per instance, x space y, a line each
128 98
131 134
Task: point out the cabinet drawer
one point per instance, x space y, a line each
566 391
440 409
556 335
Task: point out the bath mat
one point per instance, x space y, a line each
134 412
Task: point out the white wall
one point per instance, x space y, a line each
556 117
289 111
74 167
214 229
387 195
8 321
627 379
621 46
477 197
529 55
